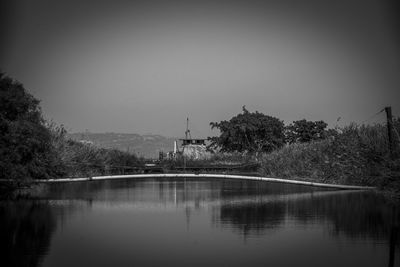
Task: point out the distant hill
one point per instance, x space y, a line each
147 145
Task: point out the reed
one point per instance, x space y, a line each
355 154
77 159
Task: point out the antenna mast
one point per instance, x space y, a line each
187 132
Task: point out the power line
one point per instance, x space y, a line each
373 116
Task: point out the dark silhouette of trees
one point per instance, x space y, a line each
251 132
25 142
305 131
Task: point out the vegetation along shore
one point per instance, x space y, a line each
32 148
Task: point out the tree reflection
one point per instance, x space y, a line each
362 214
355 214
247 207
26 230
254 218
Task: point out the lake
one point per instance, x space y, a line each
197 222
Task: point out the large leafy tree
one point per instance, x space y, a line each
305 131
25 143
251 132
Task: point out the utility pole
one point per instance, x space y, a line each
388 111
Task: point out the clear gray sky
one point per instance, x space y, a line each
144 66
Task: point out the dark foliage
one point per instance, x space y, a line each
31 148
305 131
25 142
251 132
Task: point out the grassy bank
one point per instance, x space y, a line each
355 155
70 158
84 160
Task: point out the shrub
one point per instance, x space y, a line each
251 132
305 131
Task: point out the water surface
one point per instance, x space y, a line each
197 222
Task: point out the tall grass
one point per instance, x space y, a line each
353 155
80 159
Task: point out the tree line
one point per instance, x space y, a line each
255 132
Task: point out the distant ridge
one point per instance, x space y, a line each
147 145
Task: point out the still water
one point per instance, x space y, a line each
197 222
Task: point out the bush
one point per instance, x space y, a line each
251 132
305 131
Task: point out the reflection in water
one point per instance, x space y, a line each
359 214
26 230
146 222
356 214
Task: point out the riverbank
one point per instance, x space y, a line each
358 155
203 175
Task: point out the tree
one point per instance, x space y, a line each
248 132
25 142
305 131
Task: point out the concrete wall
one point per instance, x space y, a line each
196 152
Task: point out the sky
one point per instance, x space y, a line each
144 66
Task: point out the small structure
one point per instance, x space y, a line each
193 148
